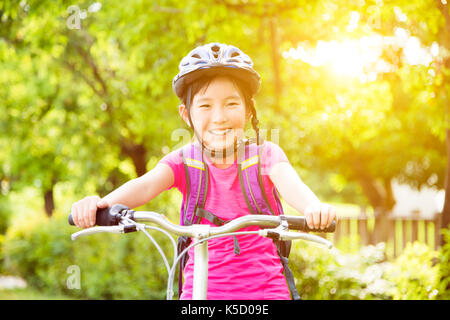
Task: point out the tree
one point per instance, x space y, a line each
98 100
371 132
430 21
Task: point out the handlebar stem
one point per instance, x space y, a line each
201 231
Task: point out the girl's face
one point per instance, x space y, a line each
218 114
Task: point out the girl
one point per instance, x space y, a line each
216 84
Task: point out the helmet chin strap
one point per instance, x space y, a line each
225 152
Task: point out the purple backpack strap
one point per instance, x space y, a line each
251 180
278 201
196 172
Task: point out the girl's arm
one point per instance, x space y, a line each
139 191
300 197
132 194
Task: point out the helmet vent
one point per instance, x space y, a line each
215 48
235 54
195 56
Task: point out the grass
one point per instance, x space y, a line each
29 294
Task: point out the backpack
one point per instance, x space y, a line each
192 208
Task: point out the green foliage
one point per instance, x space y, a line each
324 274
37 250
444 268
331 274
415 273
5 213
5 216
78 92
111 266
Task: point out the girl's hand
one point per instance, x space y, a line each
84 211
319 215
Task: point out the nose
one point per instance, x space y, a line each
219 115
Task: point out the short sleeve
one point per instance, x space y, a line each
271 154
175 162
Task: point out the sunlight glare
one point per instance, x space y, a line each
362 58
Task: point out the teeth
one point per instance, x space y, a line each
220 132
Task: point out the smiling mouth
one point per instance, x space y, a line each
220 132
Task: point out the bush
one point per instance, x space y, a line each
415 274
5 214
444 268
111 266
332 274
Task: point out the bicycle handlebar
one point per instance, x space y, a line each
120 219
108 217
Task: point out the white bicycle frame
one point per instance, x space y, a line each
200 234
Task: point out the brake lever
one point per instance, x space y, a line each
280 234
99 229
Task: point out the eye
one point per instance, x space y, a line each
233 104
204 106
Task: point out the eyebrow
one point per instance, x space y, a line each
227 98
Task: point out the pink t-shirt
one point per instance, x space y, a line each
256 273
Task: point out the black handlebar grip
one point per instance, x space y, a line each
71 220
299 223
106 216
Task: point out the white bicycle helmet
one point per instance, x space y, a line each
215 58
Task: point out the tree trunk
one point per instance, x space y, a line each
380 197
138 154
381 228
49 203
445 219
382 212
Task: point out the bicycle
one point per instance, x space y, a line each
120 219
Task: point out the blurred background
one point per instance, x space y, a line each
357 93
